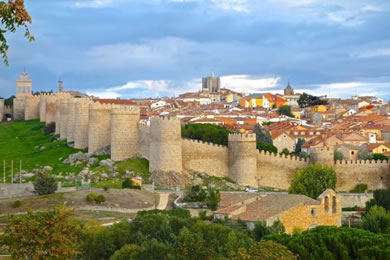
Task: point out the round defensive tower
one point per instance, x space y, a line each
99 128
51 109
242 159
81 124
124 132
58 116
42 108
322 155
64 118
71 119
165 145
32 108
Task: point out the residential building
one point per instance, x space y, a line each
294 211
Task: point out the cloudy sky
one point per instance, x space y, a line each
141 48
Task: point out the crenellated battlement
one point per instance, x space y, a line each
363 162
204 143
47 94
242 138
100 106
125 110
281 156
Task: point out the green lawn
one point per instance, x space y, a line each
21 141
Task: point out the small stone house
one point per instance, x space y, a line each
349 151
282 140
294 211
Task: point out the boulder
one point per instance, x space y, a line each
93 160
47 169
107 163
43 148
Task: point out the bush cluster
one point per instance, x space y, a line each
129 184
50 128
97 198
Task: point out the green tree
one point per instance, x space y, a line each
261 229
189 245
206 133
265 250
377 220
327 242
262 134
313 180
213 198
127 183
298 146
285 152
381 198
195 193
129 252
380 157
45 184
48 234
304 155
338 155
306 100
365 155
285 110
12 15
266 147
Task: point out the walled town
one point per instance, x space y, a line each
344 135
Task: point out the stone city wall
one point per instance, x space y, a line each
64 118
204 157
42 107
242 159
81 124
277 171
2 110
124 132
99 128
32 108
50 113
165 153
18 108
70 125
349 200
376 174
143 141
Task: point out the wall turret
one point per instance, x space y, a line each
81 124
124 132
64 118
51 109
71 119
31 110
99 128
243 159
323 155
165 145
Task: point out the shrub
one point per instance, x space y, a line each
365 155
265 250
266 147
360 188
285 152
381 198
380 157
91 196
313 180
45 184
50 128
195 194
213 198
16 204
100 198
207 133
105 188
127 184
377 220
304 155
338 155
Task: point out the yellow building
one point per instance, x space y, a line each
297 112
379 148
294 211
318 108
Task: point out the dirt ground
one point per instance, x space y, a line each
124 198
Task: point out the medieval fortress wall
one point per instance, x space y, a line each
2 110
97 126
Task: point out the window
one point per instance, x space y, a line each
334 204
318 133
311 133
313 212
302 133
352 152
326 206
296 133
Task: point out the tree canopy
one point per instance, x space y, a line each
313 180
285 110
12 15
338 155
336 243
377 220
49 234
206 133
262 134
306 100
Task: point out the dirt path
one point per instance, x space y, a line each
164 197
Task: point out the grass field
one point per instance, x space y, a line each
22 140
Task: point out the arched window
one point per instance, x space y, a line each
334 204
326 203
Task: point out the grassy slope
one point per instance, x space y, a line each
21 140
